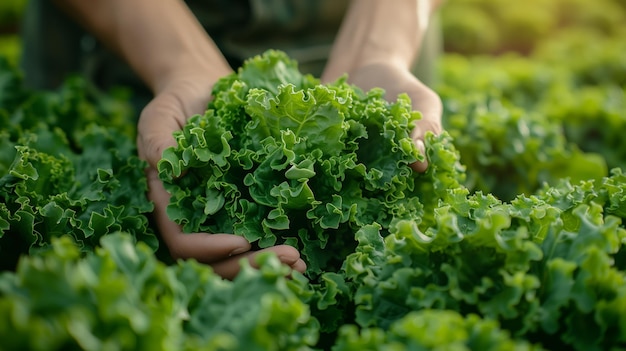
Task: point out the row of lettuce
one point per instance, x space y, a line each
520 121
473 27
513 238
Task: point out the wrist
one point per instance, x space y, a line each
190 69
374 32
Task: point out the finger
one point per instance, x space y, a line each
288 255
230 267
430 106
299 266
420 166
418 134
206 248
156 126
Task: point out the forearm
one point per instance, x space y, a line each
160 39
375 31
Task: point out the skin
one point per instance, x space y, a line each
178 61
377 45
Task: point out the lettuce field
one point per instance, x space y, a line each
513 239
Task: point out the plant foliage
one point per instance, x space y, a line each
513 239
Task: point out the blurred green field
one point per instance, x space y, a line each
470 27
535 90
473 27
10 14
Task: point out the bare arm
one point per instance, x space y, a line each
158 38
375 31
169 50
376 46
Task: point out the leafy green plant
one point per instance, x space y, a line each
63 173
120 297
478 27
540 265
280 158
520 122
431 330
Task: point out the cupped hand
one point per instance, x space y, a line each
395 79
166 113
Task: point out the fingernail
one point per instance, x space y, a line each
238 251
420 146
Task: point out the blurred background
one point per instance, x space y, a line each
534 91
498 26
470 27
10 16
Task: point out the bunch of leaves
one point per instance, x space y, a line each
592 117
572 60
431 330
279 157
121 297
521 122
519 80
508 150
67 165
590 105
588 58
72 107
333 299
549 267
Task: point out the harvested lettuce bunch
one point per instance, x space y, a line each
279 157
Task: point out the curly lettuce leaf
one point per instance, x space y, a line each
302 164
430 330
315 115
540 265
120 296
88 194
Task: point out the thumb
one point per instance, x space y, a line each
429 104
157 123
420 166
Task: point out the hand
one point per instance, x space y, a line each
395 80
166 113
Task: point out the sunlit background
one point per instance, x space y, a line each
470 27
498 26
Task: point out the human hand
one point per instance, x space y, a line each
396 79
166 113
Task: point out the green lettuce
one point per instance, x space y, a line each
280 158
548 267
432 330
522 121
68 165
121 297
